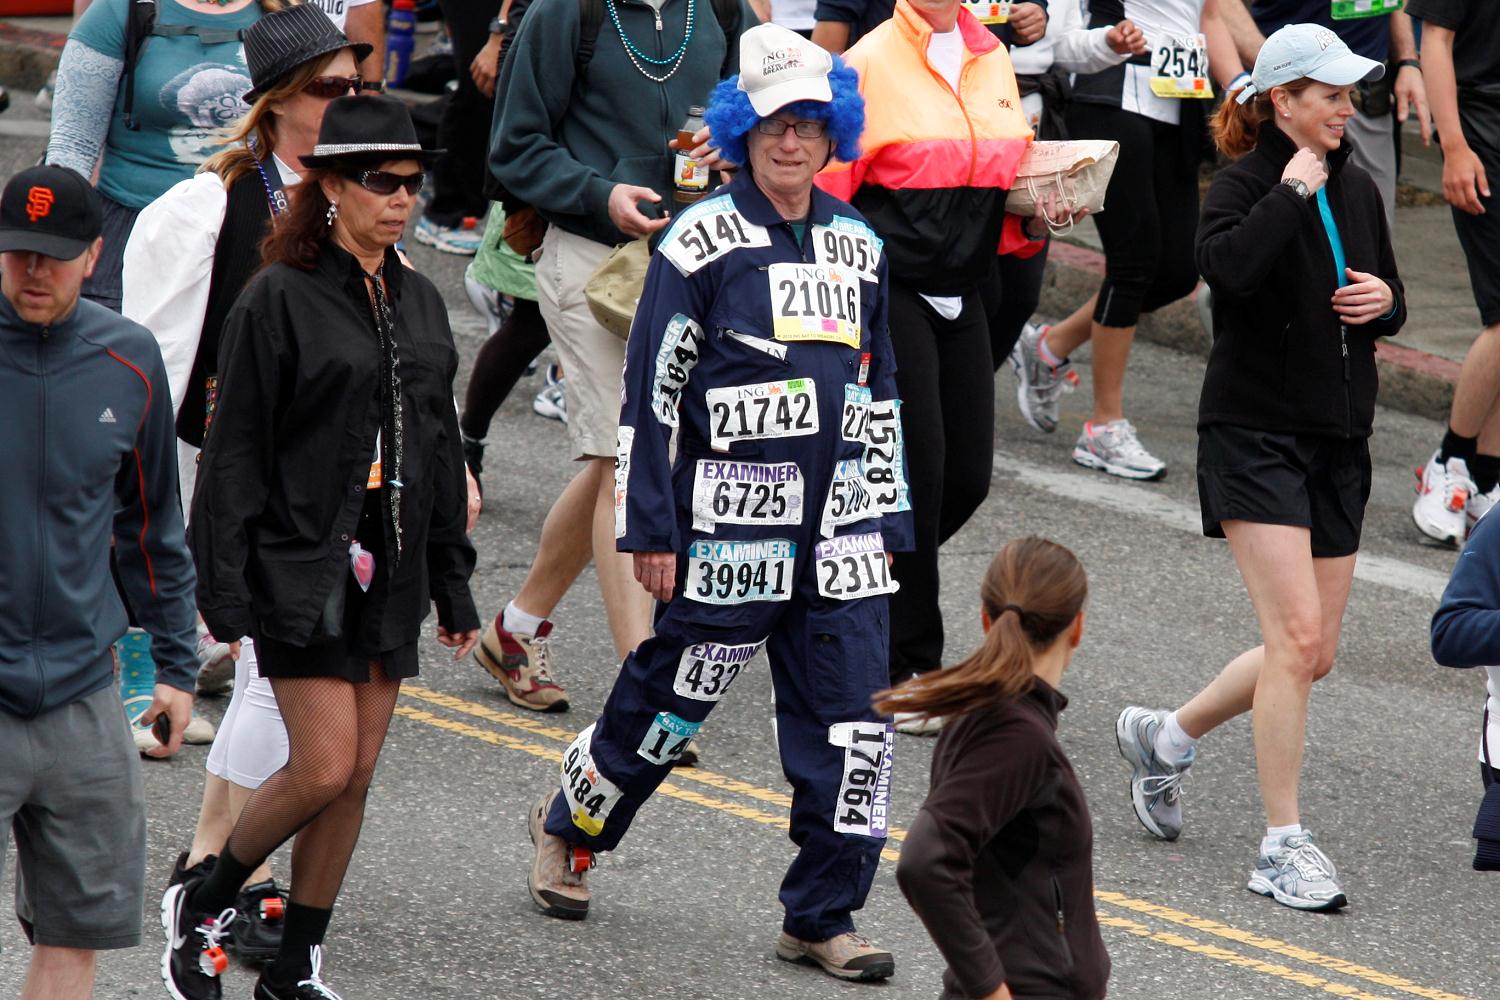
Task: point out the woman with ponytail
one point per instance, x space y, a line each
1295 245
998 863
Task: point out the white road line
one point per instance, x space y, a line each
1128 498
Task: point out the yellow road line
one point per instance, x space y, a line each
1283 949
1235 958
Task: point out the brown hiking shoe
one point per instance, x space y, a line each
559 872
848 956
519 662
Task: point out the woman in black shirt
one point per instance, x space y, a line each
999 861
329 517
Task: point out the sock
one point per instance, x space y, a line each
301 929
1172 742
516 620
1455 445
1275 835
221 886
1486 471
1046 353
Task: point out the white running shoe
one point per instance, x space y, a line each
1038 384
552 401
1115 449
1155 784
1481 504
1298 875
1443 492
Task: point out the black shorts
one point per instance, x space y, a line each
1479 235
1305 480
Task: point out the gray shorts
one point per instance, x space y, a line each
71 791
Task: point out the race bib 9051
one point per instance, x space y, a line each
738 572
850 244
864 801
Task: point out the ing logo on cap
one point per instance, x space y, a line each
39 203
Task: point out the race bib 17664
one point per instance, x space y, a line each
864 801
738 572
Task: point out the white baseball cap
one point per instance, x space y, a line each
1307 50
779 67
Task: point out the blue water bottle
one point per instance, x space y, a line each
400 40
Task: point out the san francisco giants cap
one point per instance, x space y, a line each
49 210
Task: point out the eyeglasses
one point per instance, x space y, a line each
385 182
329 87
804 129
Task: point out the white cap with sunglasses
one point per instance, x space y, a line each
779 67
1307 50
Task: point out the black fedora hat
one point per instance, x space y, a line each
360 130
281 41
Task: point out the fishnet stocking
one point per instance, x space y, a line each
335 731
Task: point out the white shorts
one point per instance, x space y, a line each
251 743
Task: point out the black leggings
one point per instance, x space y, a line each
458 177
1150 215
946 379
501 361
1011 293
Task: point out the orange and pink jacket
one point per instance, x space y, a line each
936 165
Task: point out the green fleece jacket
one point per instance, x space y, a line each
562 142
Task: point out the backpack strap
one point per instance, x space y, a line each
140 19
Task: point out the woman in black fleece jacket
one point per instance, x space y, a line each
1293 242
999 861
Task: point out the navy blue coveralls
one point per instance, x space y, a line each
771 359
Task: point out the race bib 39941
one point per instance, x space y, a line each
739 572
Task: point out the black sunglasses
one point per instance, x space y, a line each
385 182
329 87
804 129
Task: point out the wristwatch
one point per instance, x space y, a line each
374 86
497 25
1298 185
1415 64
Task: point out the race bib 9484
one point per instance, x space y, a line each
591 796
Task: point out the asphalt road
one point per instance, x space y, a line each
435 904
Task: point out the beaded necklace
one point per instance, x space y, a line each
393 461
637 57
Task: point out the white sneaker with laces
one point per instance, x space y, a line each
1115 449
913 724
1481 504
1443 493
1038 384
1298 874
552 401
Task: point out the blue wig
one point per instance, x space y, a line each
730 116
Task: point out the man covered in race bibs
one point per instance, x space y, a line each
760 340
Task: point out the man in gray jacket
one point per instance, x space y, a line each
86 421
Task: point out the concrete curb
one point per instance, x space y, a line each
27 55
1411 381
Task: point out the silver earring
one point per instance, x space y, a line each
333 213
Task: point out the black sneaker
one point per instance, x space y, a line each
181 872
259 912
194 958
311 988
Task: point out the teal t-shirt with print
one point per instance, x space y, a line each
186 94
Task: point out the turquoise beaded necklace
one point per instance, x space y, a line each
637 57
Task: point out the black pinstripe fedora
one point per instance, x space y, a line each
280 42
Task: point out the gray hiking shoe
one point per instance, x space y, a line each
847 956
1298 875
1155 785
559 871
1038 384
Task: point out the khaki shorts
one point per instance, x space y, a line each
71 790
593 359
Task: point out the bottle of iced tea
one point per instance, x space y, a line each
690 178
